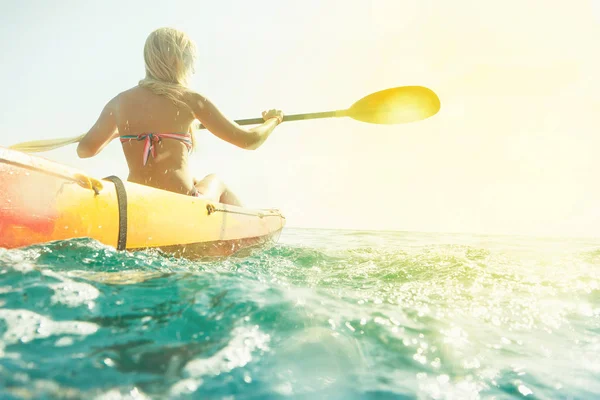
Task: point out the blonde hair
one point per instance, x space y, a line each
169 57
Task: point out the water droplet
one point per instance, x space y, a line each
331 323
349 326
524 390
109 362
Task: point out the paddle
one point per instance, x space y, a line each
397 105
390 106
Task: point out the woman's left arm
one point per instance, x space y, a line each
103 131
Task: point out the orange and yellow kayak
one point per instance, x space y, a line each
43 201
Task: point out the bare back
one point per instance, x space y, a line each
138 111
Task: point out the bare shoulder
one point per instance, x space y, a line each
122 96
131 93
131 97
112 105
197 102
192 97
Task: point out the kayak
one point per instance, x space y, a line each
43 201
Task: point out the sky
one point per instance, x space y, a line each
513 149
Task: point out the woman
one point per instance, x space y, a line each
153 121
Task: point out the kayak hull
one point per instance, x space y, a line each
43 201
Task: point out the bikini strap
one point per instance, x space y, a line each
151 138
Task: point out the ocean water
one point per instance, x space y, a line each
321 315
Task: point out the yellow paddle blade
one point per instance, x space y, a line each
396 106
37 146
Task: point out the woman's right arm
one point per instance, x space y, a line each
224 128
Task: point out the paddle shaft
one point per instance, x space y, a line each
293 117
390 106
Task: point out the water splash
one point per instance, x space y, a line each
333 314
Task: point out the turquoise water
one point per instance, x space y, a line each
324 314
